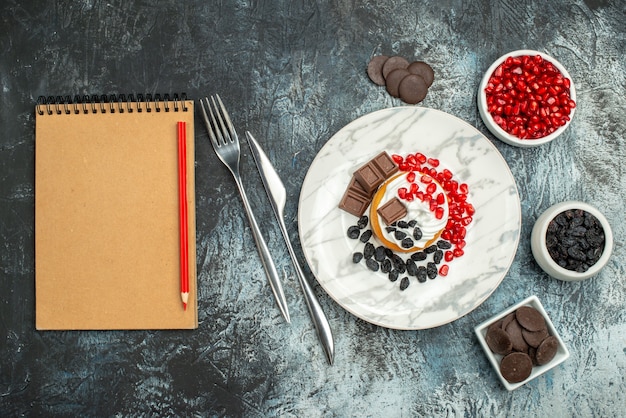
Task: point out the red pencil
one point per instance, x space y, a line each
182 203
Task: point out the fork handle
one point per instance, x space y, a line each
264 252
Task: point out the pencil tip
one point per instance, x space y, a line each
184 305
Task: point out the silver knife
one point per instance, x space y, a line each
278 196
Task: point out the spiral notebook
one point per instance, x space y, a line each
107 235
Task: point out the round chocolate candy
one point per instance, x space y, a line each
394 63
516 367
375 69
393 79
498 341
412 89
424 70
530 318
546 350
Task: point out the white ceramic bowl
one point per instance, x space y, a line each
488 118
540 252
561 355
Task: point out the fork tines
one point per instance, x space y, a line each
219 125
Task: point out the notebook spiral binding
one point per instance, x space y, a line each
112 103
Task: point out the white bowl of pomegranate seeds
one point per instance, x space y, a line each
526 98
572 241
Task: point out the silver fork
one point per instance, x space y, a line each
226 144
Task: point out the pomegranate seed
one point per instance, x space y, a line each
458 252
410 177
397 158
440 199
448 256
433 161
443 270
439 213
431 188
420 157
413 188
426 179
402 192
433 206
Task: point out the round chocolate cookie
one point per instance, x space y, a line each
375 69
546 350
393 79
507 320
534 338
516 367
498 341
530 318
424 70
394 63
412 89
515 334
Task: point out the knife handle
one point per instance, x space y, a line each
320 321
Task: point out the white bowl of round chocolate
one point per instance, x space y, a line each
526 98
572 241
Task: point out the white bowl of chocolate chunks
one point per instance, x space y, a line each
572 241
521 343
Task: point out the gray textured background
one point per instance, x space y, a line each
294 73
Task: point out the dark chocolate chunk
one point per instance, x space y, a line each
375 69
424 70
412 89
516 367
393 80
369 177
392 211
546 350
393 63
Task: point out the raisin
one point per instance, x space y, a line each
431 249
388 252
443 244
431 270
419 256
379 253
365 236
399 235
407 243
357 257
421 274
393 275
411 267
369 250
417 233
362 222
437 256
412 223
385 265
354 232
403 224
390 229
404 283
372 264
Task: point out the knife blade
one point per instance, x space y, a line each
278 197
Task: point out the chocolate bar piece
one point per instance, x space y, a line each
392 211
355 200
354 203
375 172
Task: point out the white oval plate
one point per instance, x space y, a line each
492 238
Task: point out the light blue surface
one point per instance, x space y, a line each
293 73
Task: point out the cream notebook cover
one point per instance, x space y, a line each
107 244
